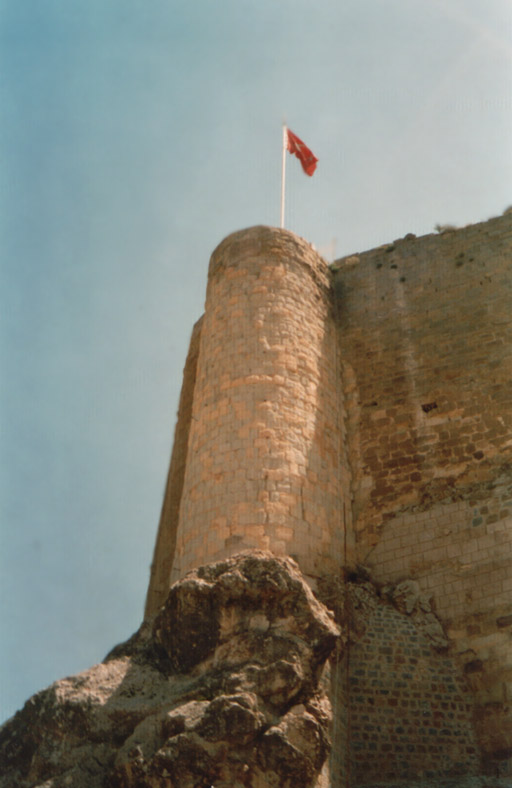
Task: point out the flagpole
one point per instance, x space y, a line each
283 174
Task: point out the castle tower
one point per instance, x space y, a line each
352 416
264 465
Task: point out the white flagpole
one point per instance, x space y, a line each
283 173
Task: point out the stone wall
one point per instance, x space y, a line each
361 415
266 465
425 330
161 568
410 710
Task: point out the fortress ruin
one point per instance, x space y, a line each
359 414
356 418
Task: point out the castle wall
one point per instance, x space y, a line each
410 709
361 414
461 554
425 330
266 466
163 557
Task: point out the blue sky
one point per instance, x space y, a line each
133 138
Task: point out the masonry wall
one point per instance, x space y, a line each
266 465
425 333
362 414
411 714
165 546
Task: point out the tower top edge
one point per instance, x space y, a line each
273 244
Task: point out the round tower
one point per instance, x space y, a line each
263 467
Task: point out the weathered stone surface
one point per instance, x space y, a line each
360 415
263 463
425 338
408 599
222 687
402 711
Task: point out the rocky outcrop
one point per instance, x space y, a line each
223 687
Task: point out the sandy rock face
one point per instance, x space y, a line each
221 688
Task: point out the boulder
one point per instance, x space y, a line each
222 687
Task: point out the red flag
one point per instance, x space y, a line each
304 155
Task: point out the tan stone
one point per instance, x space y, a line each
370 407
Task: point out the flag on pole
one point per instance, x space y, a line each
303 153
293 144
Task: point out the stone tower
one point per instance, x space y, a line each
264 464
361 414
356 418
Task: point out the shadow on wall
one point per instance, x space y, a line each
402 710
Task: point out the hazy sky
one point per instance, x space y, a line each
133 137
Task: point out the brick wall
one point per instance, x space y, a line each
403 711
410 713
426 339
461 554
